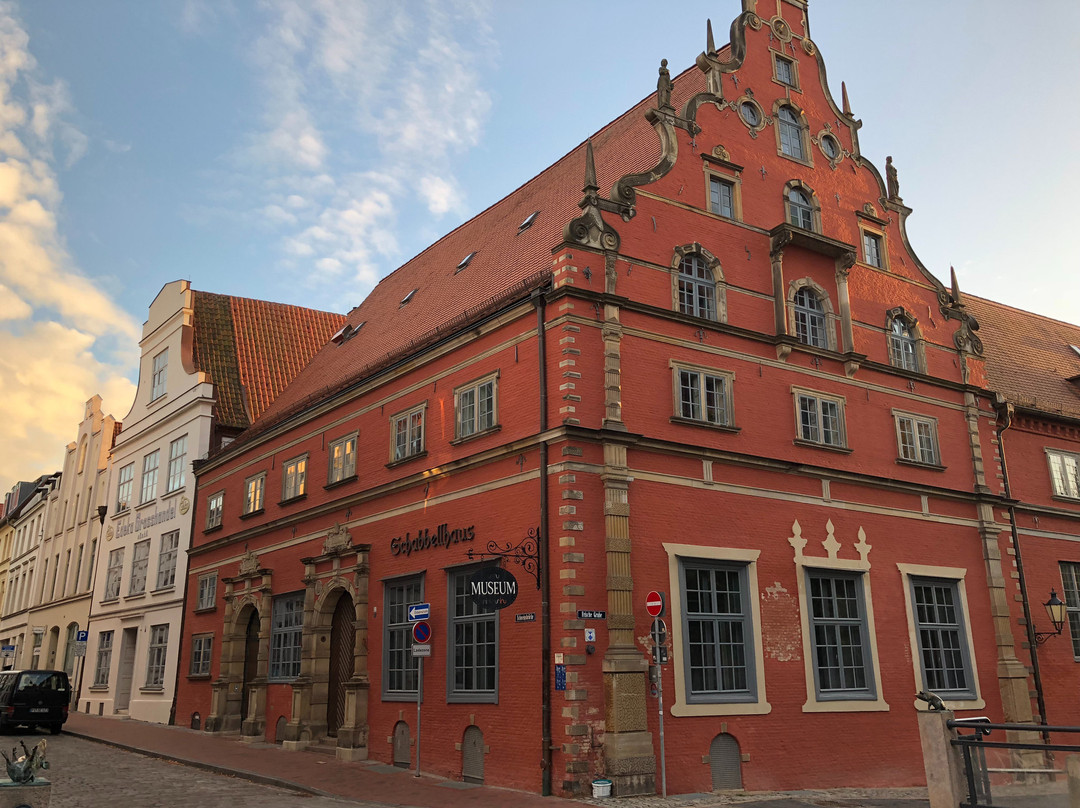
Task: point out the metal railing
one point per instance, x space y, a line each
973 747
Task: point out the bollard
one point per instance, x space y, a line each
945 783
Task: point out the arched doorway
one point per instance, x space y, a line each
342 648
251 660
725 762
472 755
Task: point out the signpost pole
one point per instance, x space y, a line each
663 755
419 698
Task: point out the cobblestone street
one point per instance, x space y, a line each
92 775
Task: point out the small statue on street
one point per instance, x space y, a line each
21 768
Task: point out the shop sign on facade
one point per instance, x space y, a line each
493 588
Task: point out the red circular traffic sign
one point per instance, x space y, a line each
421 631
654 604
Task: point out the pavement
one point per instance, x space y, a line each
368 783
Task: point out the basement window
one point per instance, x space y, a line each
525 225
407 298
465 262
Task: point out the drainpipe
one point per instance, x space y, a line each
1005 416
542 551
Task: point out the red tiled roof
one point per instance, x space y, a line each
252 349
504 257
1029 358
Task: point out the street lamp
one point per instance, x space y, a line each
1057 611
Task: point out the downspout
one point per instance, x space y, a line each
1005 416
542 551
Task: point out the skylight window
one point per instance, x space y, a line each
1075 350
465 262
342 334
407 298
525 225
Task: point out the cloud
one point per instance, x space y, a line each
64 338
363 107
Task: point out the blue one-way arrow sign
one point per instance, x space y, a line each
419 611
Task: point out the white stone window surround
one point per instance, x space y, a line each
708 553
957 575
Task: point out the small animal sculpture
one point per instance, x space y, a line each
932 699
21 768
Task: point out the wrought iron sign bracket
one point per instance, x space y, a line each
526 553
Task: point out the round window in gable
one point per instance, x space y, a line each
830 146
750 114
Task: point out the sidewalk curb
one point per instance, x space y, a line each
243 774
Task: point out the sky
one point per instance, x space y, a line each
299 150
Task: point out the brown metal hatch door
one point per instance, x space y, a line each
725 762
472 756
402 751
251 661
342 646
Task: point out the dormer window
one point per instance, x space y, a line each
464 263
405 300
525 225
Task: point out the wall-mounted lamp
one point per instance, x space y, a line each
1057 611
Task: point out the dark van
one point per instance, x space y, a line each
34 698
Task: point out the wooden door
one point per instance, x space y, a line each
126 668
251 661
342 647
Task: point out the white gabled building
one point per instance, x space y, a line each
209 365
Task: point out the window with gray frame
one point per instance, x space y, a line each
821 420
286 636
703 397
166 566
399 666
1070 587
155 664
717 632
125 481
140 560
902 351
207 596
149 476
294 478
697 288
943 649
785 71
872 249
476 408
408 431
474 632
214 506
800 211
810 318
1064 473
791 140
177 464
201 645
722 197
159 375
839 635
104 659
917 439
254 493
342 459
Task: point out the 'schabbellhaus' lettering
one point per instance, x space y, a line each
425 539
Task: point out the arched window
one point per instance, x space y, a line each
791 134
903 346
697 288
810 318
800 211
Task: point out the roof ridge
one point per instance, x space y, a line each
529 181
1021 311
266 302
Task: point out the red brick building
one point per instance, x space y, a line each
719 371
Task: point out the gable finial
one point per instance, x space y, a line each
663 87
843 94
710 44
958 299
590 170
